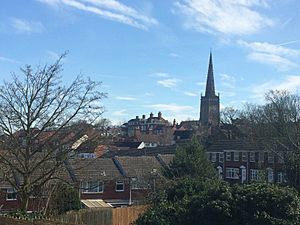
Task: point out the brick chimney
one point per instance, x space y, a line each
159 115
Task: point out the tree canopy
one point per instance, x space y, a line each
214 202
190 160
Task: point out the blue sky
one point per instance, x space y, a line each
153 55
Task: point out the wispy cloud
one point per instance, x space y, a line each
170 83
121 112
190 94
52 55
149 94
290 83
125 98
175 55
170 107
289 42
231 17
27 27
109 9
5 59
161 74
281 57
227 80
200 83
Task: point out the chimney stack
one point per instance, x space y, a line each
159 115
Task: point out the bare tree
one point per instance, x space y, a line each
276 125
36 111
228 115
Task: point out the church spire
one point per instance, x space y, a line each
210 84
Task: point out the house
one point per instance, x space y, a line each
153 131
117 181
243 161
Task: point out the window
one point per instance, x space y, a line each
270 175
236 156
280 157
280 177
254 175
135 183
87 155
11 194
120 186
252 156
232 173
270 157
213 157
244 156
138 183
228 156
221 157
261 156
92 187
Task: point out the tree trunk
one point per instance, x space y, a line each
24 197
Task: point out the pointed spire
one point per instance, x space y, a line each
210 84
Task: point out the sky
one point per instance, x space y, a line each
152 55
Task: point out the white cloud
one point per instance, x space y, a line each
125 98
53 55
121 112
149 94
109 9
227 80
200 83
266 47
281 57
5 59
170 107
161 74
291 84
175 55
231 17
27 27
169 82
190 94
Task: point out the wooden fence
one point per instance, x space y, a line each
103 216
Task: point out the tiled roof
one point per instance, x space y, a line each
239 144
93 169
140 152
141 166
167 158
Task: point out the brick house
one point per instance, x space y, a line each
123 180
153 131
242 161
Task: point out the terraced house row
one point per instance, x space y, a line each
117 181
242 161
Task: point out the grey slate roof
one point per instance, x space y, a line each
140 166
141 152
95 169
234 145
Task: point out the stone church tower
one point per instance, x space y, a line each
210 102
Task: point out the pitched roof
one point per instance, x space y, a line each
141 152
234 145
95 169
141 166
